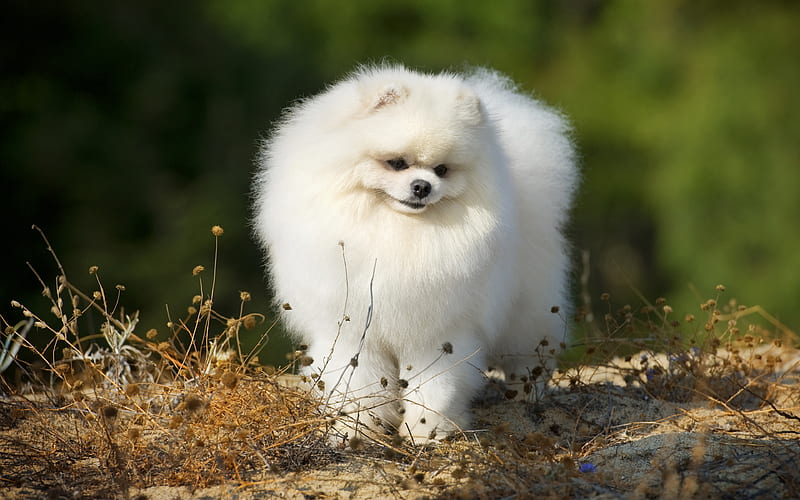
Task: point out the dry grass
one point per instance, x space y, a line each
649 407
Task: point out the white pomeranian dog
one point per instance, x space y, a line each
413 223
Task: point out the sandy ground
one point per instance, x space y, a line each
597 439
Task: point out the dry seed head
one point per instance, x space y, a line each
356 443
384 382
206 307
554 309
250 321
720 288
14 303
93 269
403 383
244 296
96 295
667 309
306 360
605 296
109 412
217 231
286 307
197 270
229 380
151 333
191 310
193 403
447 348
660 301
121 288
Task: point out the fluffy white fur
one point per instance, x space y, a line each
473 259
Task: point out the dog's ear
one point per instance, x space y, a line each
388 95
469 106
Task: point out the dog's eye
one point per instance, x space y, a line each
397 163
440 170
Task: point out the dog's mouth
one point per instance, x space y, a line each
414 205
407 206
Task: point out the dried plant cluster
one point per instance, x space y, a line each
110 413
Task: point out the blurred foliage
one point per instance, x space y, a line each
128 129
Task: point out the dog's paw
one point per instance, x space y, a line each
423 426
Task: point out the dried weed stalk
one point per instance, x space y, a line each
193 409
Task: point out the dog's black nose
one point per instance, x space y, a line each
420 188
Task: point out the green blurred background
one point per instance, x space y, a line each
129 129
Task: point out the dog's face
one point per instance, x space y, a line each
409 186
422 142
